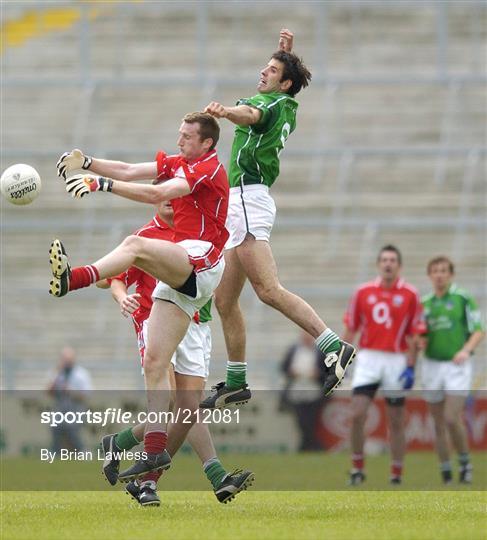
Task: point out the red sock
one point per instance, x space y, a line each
151 476
396 469
83 276
155 442
358 461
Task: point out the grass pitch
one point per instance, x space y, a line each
269 510
259 515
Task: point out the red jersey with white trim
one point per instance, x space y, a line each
201 215
383 316
145 283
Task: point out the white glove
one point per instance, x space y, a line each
80 185
72 161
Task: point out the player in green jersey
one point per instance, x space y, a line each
454 329
263 123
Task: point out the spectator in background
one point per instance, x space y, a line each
387 313
453 330
305 373
69 387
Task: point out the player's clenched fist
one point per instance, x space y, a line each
286 40
72 161
80 185
216 109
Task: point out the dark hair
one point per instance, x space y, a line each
390 247
209 127
441 259
294 70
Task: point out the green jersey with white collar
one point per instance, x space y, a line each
450 320
256 148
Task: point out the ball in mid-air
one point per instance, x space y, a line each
20 184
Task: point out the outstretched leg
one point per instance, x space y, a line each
164 260
258 263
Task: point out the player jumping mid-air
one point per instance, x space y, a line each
188 268
264 122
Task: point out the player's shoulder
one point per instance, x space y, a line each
427 297
402 284
367 285
270 99
209 164
154 230
455 290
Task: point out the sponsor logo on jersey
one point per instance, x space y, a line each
397 300
371 299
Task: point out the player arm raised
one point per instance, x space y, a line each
286 38
80 185
126 172
241 115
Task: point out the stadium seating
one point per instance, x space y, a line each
386 150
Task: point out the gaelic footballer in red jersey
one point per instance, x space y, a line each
190 370
209 195
388 315
385 316
139 304
188 270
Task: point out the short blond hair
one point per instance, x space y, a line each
438 260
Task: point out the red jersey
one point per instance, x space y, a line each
383 316
201 214
145 283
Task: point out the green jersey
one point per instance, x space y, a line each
256 148
205 312
450 320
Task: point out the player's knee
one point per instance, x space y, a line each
452 418
396 424
358 416
133 244
268 294
223 303
153 364
188 403
440 427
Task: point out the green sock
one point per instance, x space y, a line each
126 440
214 471
236 374
445 466
328 342
463 459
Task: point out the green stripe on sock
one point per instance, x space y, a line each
215 473
328 342
126 440
236 375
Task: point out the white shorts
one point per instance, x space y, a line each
380 367
207 279
192 356
445 377
249 211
